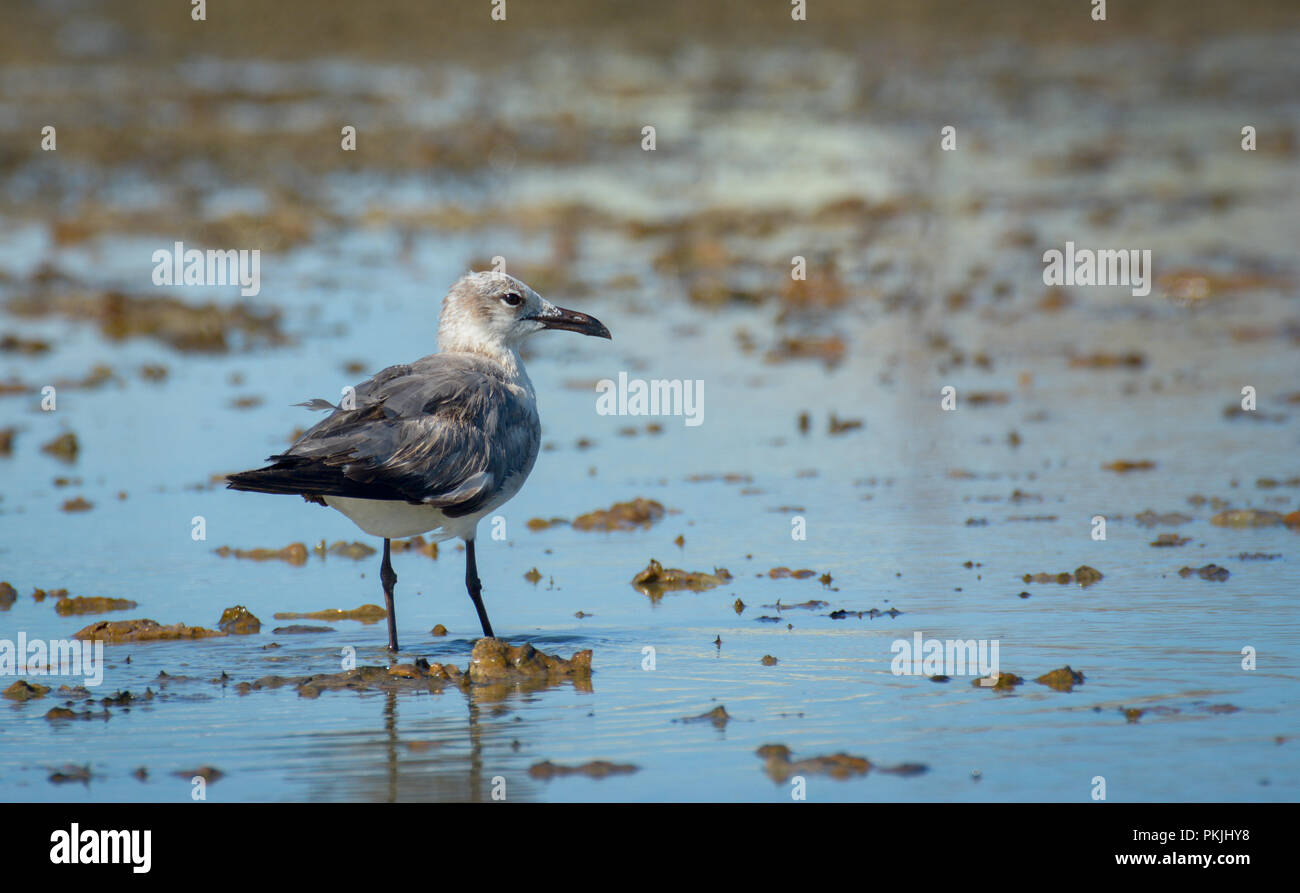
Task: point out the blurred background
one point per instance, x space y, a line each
775 139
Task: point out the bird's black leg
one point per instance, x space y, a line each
475 587
389 578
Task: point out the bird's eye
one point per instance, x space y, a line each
513 299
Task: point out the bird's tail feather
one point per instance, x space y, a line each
297 476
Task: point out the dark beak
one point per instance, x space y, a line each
572 321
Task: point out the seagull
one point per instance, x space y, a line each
436 444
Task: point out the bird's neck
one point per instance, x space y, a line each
512 365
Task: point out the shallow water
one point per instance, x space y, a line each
886 506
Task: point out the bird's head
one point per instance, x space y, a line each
490 312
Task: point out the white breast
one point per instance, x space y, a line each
393 520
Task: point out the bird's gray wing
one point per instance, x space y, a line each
445 431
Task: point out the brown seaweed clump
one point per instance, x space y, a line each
1086 576
636 514
365 614
239 621
778 765
1124 466
718 716
420 676
1209 572
355 551
201 328
71 773
495 660
1005 682
830 349
1064 679
1103 360
655 580
781 573
1152 518
63 447
22 690
294 553
92 605
494 664
58 713
1246 518
416 544
1083 575
547 770
117 631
